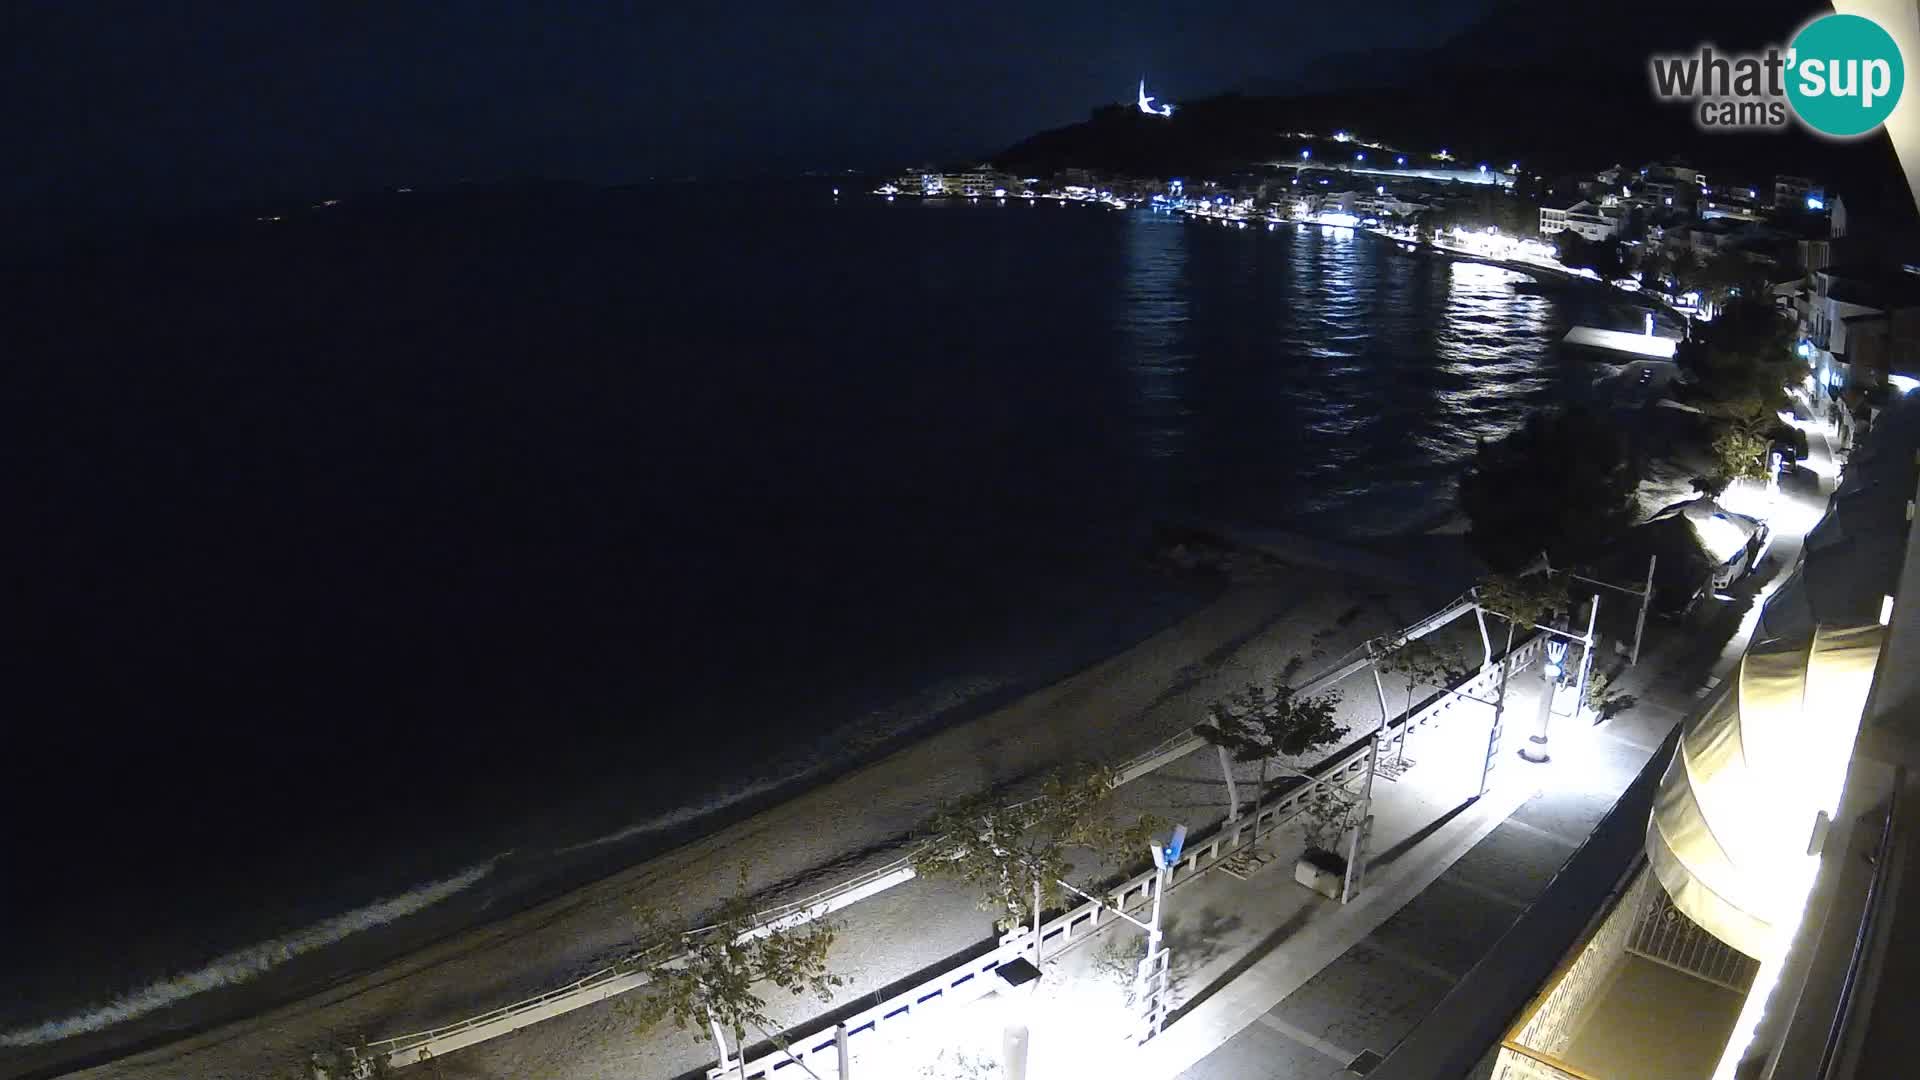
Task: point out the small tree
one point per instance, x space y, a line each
710 980
1325 818
1421 663
1262 723
1521 600
1007 850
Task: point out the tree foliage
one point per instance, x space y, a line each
1606 258
1003 848
1326 815
1483 205
1563 484
1739 365
1421 662
1525 600
1262 723
1739 453
715 975
1273 721
1723 277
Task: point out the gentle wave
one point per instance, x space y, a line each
675 818
854 738
243 965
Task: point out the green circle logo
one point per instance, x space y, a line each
1845 75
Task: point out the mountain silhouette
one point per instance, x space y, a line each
1561 88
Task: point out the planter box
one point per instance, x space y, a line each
1325 882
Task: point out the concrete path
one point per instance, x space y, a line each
1359 979
1369 973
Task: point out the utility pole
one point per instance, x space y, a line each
1646 601
1036 919
1233 793
1586 658
1153 968
1356 853
1499 710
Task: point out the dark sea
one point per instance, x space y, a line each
434 550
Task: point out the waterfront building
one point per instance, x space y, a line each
1860 326
1589 221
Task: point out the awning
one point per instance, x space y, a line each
1737 805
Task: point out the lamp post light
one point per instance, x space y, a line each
1150 981
1550 672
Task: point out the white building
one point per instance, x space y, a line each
1583 218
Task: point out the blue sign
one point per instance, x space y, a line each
1175 843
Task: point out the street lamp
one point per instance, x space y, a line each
1154 965
1550 671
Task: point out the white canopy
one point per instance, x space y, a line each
1736 809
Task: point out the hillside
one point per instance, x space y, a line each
1522 84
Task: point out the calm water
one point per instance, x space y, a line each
474 521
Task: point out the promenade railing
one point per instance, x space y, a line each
630 972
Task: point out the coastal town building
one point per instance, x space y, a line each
1860 326
1791 192
1584 218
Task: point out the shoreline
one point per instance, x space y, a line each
556 894
912 769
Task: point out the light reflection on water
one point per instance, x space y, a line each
1321 378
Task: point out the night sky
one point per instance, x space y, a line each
174 105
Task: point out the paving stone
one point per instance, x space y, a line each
1513 862
1260 1053
1367 998
1571 819
1446 927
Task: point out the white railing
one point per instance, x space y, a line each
628 974
820 1048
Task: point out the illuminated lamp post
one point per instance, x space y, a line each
1150 981
1550 671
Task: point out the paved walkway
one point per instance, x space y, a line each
1365 977
1343 982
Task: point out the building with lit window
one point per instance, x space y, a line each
1790 192
1584 218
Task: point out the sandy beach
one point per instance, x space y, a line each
1106 712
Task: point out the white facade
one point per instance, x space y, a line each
1582 218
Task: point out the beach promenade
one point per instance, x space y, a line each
1450 873
1109 711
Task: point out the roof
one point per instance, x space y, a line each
1720 533
1872 286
